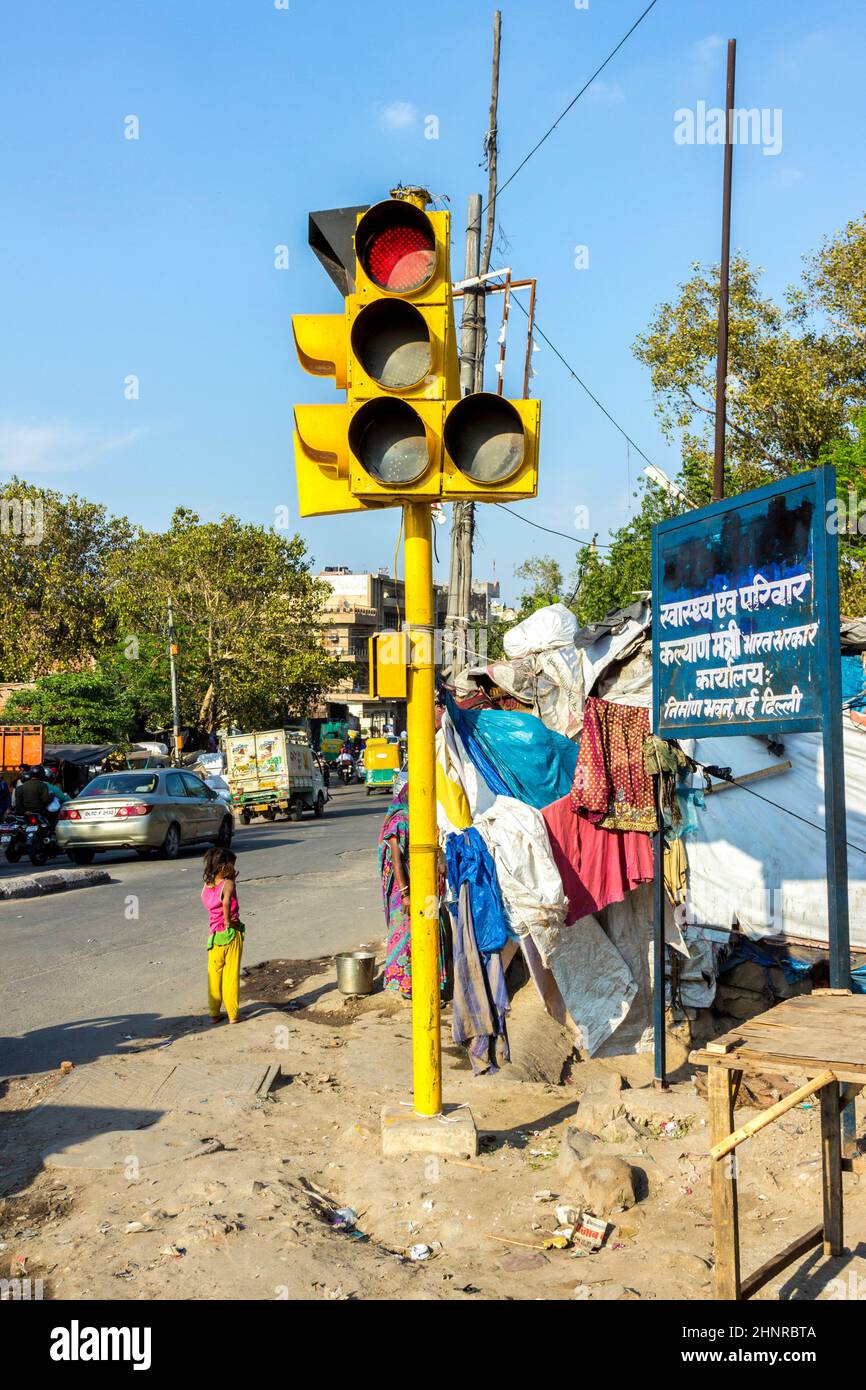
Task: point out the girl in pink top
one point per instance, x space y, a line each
225 933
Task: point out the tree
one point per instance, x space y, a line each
247 617
797 390
544 576
74 707
54 608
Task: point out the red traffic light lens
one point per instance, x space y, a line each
400 259
396 246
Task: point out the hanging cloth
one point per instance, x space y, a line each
596 866
468 862
611 786
515 753
480 1003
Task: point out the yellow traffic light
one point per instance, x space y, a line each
320 342
395 450
404 434
491 449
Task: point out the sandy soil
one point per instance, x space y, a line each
254 1217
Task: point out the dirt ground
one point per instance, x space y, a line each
253 1214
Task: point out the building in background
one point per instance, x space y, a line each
362 604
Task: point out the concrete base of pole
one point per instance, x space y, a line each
450 1136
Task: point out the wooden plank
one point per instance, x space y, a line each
752 1060
758 776
723 1186
777 1263
766 1117
831 1162
723 1046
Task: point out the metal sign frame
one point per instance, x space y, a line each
820 485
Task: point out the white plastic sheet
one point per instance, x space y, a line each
751 862
544 630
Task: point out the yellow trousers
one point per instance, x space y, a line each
224 977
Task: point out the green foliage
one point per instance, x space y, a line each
246 617
54 608
79 587
544 576
75 707
796 399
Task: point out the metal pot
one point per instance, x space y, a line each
355 971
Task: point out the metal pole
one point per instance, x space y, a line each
175 703
659 1069
835 819
724 283
423 838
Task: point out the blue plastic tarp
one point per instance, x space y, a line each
853 682
793 970
516 754
468 861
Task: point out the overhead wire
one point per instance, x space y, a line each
600 69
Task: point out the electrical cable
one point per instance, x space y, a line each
601 545
501 188
743 786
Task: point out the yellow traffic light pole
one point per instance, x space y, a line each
423 837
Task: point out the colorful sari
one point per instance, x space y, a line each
398 965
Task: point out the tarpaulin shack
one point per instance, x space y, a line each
78 763
749 912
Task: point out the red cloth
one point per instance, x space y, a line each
596 866
611 784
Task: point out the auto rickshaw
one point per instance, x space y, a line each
381 764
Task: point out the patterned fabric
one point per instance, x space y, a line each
612 787
398 960
480 994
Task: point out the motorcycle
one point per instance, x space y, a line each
13 836
346 768
29 833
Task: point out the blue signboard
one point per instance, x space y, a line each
743 613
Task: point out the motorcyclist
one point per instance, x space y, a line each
32 794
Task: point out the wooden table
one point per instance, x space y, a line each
816 1040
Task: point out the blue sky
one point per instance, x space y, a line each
154 257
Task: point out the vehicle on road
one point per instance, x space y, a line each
42 843
347 767
381 764
13 836
157 809
272 772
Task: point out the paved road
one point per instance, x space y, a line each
85 968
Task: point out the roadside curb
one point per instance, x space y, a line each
58 881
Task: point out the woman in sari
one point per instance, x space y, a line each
394 872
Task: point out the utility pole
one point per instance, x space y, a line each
460 572
472 344
175 703
724 283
